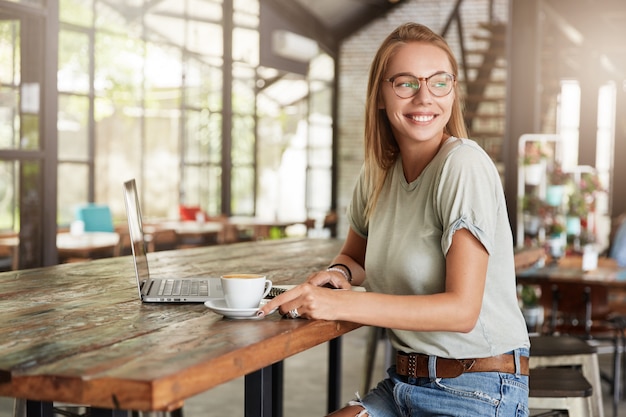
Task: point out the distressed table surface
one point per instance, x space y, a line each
78 333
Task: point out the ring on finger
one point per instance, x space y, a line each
294 313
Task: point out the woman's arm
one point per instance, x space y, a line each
352 255
456 309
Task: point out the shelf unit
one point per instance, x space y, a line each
532 179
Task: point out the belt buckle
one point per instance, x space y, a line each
467 364
451 368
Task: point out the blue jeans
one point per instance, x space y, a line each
478 394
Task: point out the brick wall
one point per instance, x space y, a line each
355 58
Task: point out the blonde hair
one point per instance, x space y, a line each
381 148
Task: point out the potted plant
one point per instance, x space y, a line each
556 188
533 162
532 208
532 310
557 240
576 210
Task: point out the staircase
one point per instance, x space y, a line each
485 88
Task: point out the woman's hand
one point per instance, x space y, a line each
306 300
331 279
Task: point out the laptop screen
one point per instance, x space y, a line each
135 230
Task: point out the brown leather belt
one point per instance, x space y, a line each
416 365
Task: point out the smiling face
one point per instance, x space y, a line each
423 117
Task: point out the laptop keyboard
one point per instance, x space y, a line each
184 287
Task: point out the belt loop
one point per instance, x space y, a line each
518 367
432 367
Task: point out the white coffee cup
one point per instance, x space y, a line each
245 290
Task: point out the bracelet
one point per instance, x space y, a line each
347 274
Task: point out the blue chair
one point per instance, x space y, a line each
96 217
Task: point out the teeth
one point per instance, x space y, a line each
423 118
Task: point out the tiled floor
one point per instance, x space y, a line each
305 382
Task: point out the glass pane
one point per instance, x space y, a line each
215 138
203 85
161 118
197 138
10 52
30 132
210 198
319 186
243 140
322 68
78 12
120 16
244 19
205 38
163 76
119 68
167 28
72 127
247 6
118 149
73 73
243 96
242 203
202 186
246 46
9 118
8 200
72 190
205 9
321 99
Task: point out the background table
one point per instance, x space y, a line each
78 333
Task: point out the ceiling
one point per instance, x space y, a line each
331 21
590 28
344 17
590 31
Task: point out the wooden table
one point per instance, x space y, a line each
567 283
84 245
569 270
261 228
193 233
87 244
77 333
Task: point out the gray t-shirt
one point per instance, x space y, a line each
410 232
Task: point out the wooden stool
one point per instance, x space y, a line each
560 389
546 351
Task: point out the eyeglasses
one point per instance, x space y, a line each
407 86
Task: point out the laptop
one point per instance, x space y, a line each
162 289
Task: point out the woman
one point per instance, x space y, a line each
430 231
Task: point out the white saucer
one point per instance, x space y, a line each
219 306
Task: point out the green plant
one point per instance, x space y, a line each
556 228
576 204
530 295
534 152
532 204
590 183
558 177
